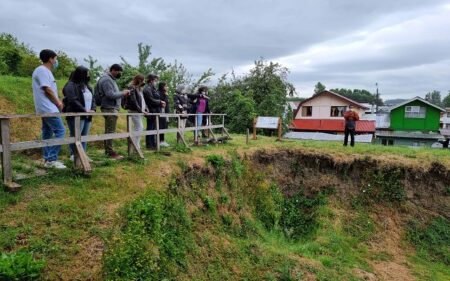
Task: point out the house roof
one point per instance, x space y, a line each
419 99
327 125
409 135
357 104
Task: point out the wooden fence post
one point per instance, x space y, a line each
158 145
81 159
6 156
254 128
196 130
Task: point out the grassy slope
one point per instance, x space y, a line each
65 218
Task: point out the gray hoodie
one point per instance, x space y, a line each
108 89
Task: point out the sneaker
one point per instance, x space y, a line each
54 165
116 156
164 144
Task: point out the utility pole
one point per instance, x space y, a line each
377 96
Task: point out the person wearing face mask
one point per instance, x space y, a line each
109 96
45 95
78 98
135 103
155 105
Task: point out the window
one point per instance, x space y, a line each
306 111
415 111
337 111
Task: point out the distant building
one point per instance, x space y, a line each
414 123
324 112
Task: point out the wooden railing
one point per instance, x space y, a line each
81 159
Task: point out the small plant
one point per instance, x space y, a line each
361 227
20 266
217 161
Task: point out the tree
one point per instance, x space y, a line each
319 87
434 97
94 70
359 95
446 100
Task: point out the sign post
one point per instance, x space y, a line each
264 122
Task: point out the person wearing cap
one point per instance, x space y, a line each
110 102
46 101
350 116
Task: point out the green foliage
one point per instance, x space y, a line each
95 70
66 65
153 242
216 160
432 239
434 97
268 202
263 91
359 95
299 215
446 100
319 87
382 187
20 266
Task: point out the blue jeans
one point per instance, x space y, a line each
52 127
85 126
199 121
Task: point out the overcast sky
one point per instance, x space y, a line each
404 45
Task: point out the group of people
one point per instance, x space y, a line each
143 95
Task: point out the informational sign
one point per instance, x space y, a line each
263 122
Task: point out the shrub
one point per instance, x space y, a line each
268 203
20 266
153 242
299 215
217 161
432 239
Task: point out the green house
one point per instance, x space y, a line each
413 123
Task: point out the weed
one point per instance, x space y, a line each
20 266
360 227
216 160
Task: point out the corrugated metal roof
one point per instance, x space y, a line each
367 138
411 135
419 99
362 126
445 132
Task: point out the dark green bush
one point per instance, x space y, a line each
299 215
20 266
431 239
217 161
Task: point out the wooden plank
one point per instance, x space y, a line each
81 159
158 146
6 156
40 143
1 148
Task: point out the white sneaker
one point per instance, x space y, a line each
164 144
72 158
54 165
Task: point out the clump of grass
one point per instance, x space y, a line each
20 266
361 227
216 160
432 239
153 242
381 187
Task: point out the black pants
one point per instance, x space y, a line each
150 141
162 125
350 132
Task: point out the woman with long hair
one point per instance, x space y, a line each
135 103
78 98
163 90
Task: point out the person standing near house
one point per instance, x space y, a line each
78 98
350 116
108 94
154 105
45 95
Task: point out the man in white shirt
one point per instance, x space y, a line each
45 94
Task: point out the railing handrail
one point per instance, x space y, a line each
81 159
16 116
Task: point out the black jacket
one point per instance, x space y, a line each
196 102
152 99
74 99
134 101
165 98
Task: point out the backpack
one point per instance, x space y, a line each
98 96
126 99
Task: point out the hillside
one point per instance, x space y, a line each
291 210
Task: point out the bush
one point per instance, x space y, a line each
432 239
299 216
20 266
153 242
217 161
268 205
